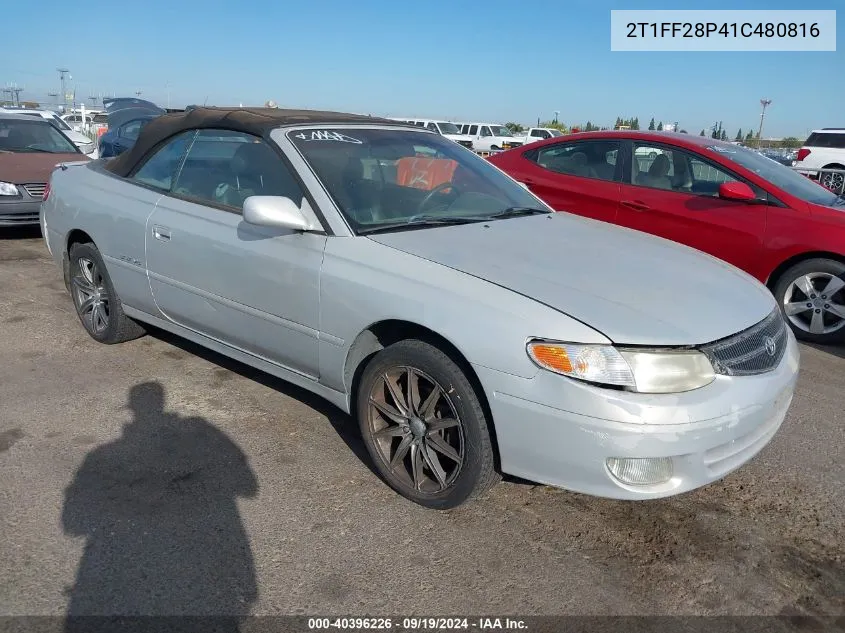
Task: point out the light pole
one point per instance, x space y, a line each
556 113
765 103
62 73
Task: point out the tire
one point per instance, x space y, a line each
455 461
833 182
97 304
800 291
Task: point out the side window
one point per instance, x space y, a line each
587 159
158 170
676 170
473 129
433 128
485 131
225 168
132 129
539 134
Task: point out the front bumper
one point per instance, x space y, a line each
561 432
19 212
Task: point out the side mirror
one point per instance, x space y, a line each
275 211
736 191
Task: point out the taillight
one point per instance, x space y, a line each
46 192
802 153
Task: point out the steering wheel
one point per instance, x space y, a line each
438 190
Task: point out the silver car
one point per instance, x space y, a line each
470 330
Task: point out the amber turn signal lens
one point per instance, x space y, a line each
553 357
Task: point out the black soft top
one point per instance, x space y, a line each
255 121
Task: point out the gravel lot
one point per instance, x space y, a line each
155 476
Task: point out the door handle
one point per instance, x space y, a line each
636 205
161 233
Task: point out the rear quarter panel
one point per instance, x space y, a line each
113 213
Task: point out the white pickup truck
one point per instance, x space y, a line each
537 134
488 137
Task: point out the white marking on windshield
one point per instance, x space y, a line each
327 135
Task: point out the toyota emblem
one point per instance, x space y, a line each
771 346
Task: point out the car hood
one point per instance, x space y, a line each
634 288
19 168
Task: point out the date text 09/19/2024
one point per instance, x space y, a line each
417 624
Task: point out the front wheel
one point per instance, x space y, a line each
424 426
95 299
812 296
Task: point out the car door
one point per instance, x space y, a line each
580 177
125 254
674 193
254 288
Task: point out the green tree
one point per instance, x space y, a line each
738 135
749 137
514 127
635 123
724 136
651 124
660 126
702 133
792 142
555 125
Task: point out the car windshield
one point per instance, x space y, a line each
33 136
386 178
779 175
500 130
448 128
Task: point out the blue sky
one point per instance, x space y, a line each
493 60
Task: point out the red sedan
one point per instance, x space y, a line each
744 208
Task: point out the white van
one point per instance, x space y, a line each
444 128
489 136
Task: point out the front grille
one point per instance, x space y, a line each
18 218
756 350
35 189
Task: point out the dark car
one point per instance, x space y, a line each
126 117
763 217
30 148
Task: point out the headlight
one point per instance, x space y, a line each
642 371
8 189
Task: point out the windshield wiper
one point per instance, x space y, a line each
423 220
515 211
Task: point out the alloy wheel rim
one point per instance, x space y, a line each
815 303
834 182
416 430
92 297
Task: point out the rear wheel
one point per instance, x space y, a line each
424 426
834 181
812 296
95 299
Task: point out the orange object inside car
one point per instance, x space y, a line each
424 173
